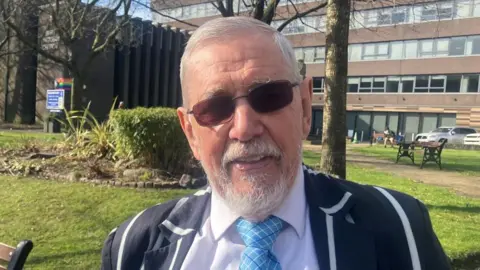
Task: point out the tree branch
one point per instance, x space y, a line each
301 15
163 15
221 8
270 12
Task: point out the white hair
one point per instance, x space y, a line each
223 29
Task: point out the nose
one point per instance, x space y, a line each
246 123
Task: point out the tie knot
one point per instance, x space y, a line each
260 235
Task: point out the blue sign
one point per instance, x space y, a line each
55 99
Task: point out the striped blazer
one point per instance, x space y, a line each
353 227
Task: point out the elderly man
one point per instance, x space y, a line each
246 111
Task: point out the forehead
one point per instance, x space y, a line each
235 63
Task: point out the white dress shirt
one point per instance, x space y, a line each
219 246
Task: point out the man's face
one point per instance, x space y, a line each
252 159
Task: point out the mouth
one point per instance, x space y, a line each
250 163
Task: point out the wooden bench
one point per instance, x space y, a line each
406 150
432 152
375 137
14 258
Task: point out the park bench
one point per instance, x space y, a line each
14 258
376 136
406 150
432 152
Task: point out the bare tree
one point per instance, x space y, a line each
64 26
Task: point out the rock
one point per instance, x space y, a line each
157 185
148 184
118 184
74 177
41 156
140 184
97 182
135 173
132 184
185 181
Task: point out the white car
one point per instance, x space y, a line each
472 139
454 135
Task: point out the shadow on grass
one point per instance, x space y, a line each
42 259
467 209
469 262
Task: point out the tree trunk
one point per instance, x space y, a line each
336 68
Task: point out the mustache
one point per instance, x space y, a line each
253 148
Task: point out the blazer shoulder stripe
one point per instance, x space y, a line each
337 207
412 246
124 238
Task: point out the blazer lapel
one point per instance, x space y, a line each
177 233
341 242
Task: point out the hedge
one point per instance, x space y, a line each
153 135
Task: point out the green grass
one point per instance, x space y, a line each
456 219
464 161
68 222
15 139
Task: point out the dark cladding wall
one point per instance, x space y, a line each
147 65
143 70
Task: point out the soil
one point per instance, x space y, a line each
462 184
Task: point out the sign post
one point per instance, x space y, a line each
57 100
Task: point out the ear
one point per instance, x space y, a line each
188 130
306 89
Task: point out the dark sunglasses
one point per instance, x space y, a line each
264 98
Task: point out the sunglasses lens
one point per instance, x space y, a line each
271 96
213 111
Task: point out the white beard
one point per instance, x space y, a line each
263 198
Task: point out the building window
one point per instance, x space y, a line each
437 84
378 85
429 13
453 83
399 15
366 85
355 52
457 46
462 8
411 49
392 84
353 85
470 84
320 54
445 10
421 84
384 16
309 54
375 51
426 48
473 45
442 48
396 50
407 84
318 84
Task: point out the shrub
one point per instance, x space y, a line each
153 135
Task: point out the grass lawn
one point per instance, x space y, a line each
14 139
68 222
463 161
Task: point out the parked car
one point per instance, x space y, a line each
454 135
472 139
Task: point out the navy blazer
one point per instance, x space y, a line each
353 226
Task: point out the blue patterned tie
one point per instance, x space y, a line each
259 239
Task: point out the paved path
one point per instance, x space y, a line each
466 185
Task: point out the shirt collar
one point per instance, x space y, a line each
292 210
